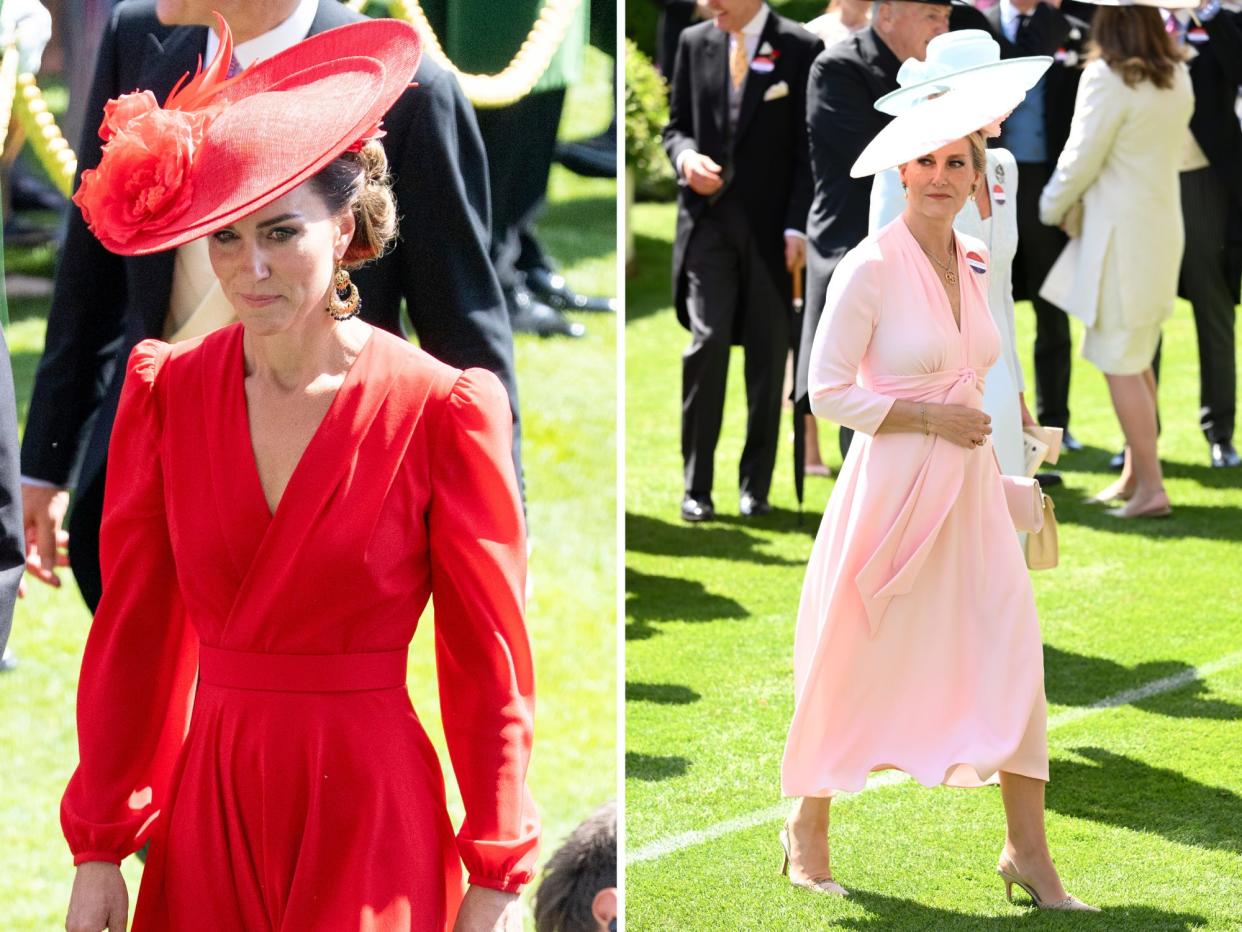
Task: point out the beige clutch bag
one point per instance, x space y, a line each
1042 549
1040 445
1025 501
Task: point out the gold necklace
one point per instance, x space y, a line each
949 275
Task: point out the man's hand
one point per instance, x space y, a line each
43 510
701 173
486 910
795 252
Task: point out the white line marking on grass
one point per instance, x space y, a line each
673 843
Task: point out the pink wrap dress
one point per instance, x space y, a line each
917 645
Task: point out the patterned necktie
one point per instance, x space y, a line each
737 61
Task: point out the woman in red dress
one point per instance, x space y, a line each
284 495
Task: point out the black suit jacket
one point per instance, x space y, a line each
1049 31
846 80
765 160
103 304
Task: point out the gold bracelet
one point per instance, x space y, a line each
923 412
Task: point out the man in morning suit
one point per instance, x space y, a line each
103 304
846 81
1211 182
1035 133
737 138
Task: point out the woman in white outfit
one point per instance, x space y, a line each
961 61
1118 178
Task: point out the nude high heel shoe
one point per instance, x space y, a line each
1009 874
829 887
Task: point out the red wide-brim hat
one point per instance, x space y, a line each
222 148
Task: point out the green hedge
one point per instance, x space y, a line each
646 113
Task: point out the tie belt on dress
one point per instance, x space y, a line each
301 673
893 567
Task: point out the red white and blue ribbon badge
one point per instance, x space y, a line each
976 263
998 194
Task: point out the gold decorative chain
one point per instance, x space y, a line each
526 67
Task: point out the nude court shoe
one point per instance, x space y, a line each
1010 875
830 887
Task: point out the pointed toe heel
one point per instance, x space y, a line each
1009 875
829 886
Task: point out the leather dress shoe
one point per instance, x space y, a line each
1224 456
750 506
595 157
1048 479
1117 461
697 508
1070 442
527 315
553 290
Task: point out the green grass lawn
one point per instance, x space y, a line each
568 395
1145 800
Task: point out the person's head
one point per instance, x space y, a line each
276 266
578 892
906 26
937 184
246 18
1133 42
732 15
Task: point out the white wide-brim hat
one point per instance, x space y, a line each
966 60
933 124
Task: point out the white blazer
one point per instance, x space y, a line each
1122 160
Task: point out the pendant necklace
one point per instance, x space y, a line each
949 275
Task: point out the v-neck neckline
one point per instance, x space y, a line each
957 324
346 389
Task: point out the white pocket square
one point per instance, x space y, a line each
776 91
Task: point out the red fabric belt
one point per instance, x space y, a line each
301 673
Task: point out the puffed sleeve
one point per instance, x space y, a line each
1098 115
483 658
141 657
851 308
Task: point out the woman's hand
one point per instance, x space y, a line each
99 899
967 427
1028 420
487 910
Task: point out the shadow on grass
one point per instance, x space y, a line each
661 693
1079 680
1210 522
580 229
1128 793
889 912
668 598
651 288
713 539
654 767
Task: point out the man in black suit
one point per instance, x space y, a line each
1035 133
103 304
846 81
737 138
1211 182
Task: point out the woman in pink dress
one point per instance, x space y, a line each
917 646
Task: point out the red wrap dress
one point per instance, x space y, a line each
242 701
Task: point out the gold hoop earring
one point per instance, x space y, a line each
344 301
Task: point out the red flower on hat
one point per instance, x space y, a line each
143 179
